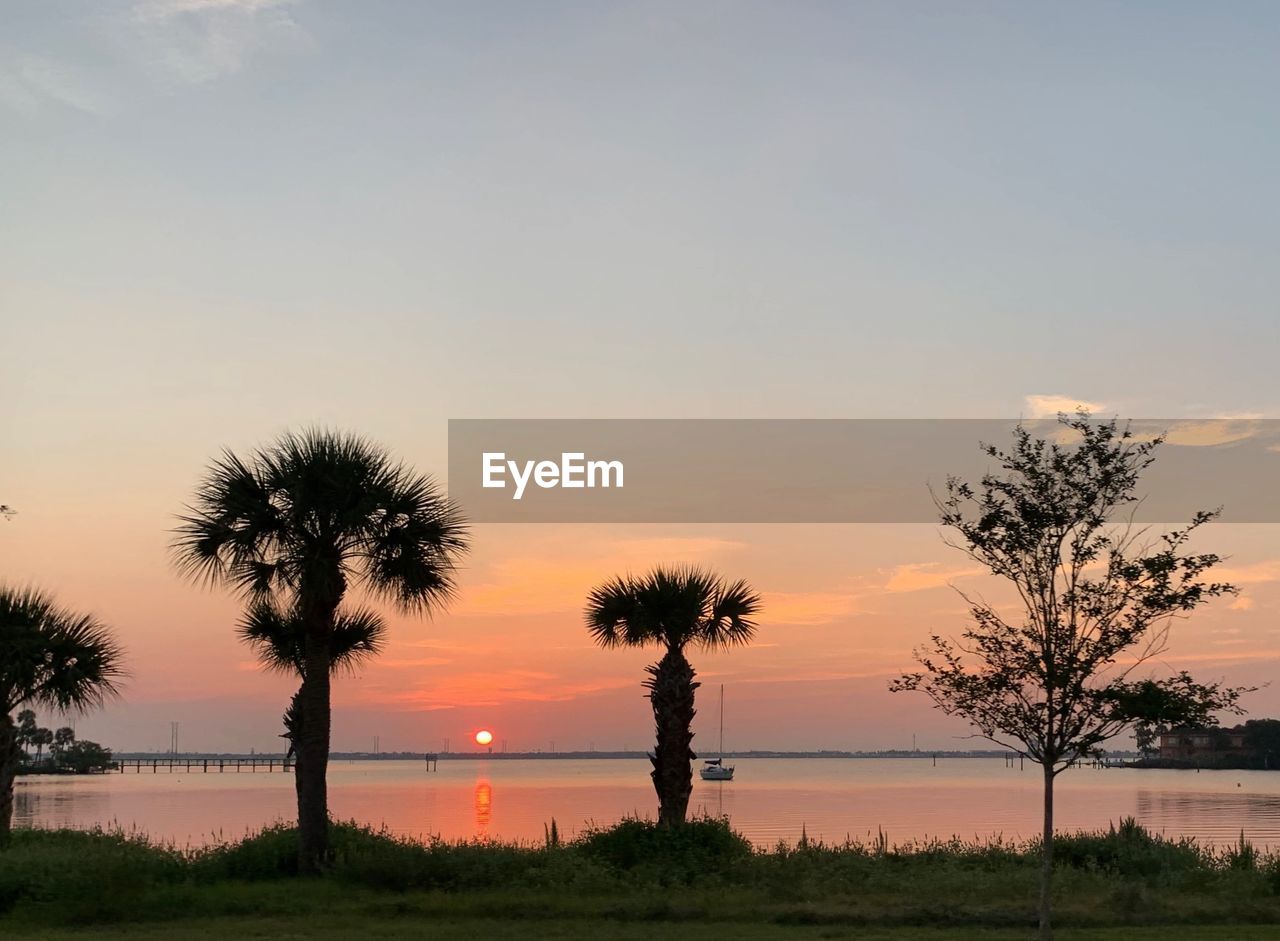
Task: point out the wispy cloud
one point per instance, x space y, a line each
1212 432
1255 574
123 51
808 608
160 9
495 688
30 83
198 41
558 581
925 575
1050 405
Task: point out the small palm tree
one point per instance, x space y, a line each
672 608
48 657
302 520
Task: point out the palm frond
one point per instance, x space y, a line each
53 657
277 635
732 618
673 606
614 614
316 511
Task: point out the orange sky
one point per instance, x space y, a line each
844 605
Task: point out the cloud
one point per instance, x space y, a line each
1255 574
126 51
499 687
31 82
922 576
198 41
1212 431
807 607
558 580
392 663
1049 406
1241 603
161 9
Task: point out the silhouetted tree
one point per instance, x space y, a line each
1050 684
27 729
62 739
1262 738
84 757
675 609
48 657
43 739
301 520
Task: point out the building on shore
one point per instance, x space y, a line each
1255 744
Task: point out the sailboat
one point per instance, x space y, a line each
714 769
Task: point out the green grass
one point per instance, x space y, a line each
630 881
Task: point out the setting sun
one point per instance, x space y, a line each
484 737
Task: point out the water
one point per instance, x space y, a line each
770 800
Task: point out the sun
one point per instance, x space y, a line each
484 737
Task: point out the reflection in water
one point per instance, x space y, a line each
484 807
769 800
1216 817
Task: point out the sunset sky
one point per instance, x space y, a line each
222 219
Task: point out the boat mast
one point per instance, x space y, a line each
722 722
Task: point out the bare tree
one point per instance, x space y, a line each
1097 595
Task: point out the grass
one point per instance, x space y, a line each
632 880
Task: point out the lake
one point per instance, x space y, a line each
771 799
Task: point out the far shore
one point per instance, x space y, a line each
576 755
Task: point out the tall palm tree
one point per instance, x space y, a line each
302 520
48 657
673 608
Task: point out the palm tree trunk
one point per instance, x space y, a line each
312 764
1046 859
671 687
9 753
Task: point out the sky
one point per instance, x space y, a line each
224 219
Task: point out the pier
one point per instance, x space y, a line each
204 765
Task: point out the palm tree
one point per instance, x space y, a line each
48 657
43 739
672 608
26 729
278 639
62 740
302 520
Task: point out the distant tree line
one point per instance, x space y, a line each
66 754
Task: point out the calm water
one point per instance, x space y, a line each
770 800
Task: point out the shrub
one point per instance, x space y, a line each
698 850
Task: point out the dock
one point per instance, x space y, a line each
204 765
